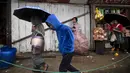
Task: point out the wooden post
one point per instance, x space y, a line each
92 44
8 27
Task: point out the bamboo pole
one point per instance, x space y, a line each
47 29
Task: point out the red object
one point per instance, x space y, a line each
113 26
108 26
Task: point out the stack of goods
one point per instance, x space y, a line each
99 34
100 12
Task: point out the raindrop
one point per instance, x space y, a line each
6 71
21 64
114 66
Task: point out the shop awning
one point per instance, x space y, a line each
109 2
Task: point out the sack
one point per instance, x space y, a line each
113 38
81 44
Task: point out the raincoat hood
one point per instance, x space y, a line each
64 34
52 19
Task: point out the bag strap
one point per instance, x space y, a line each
38 32
117 25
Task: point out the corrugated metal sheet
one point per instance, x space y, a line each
60 1
79 1
64 12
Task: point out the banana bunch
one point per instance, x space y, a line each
98 15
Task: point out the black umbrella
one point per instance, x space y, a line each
128 27
25 13
120 18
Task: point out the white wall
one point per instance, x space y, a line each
64 12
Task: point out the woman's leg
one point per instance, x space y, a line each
113 47
117 46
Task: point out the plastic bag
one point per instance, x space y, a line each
81 44
113 38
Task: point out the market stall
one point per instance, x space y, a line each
99 8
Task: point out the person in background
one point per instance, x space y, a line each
66 43
37 43
107 30
75 26
127 39
117 30
80 38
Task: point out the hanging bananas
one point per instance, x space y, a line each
98 15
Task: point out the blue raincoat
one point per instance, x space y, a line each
64 34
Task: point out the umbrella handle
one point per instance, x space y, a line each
116 30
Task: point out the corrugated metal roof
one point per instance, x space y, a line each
79 1
60 1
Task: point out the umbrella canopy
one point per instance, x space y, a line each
120 18
25 13
128 27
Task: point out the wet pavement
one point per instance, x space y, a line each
92 63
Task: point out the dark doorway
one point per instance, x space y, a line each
5 26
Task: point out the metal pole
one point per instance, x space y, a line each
47 29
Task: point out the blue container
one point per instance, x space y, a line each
7 54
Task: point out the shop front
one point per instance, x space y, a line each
101 7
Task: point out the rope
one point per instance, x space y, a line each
19 66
